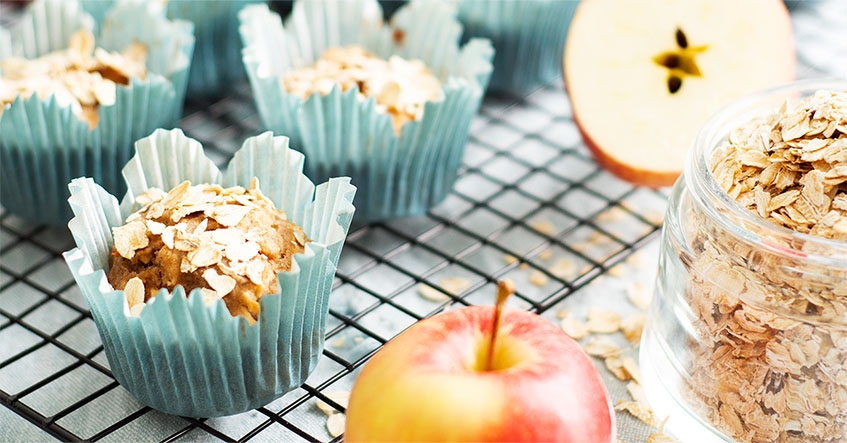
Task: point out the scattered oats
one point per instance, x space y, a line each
638 295
358 339
636 391
545 227
450 285
639 411
177 230
134 291
510 259
429 293
135 310
631 368
573 327
636 259
601 321
633 325
546 254
80 76
597 238
129 238
523 266
655 217
335 424
564 269
612 214
455 285
400 87
601 346
616 270
659 437
538 278
222 284
210 296
562 313
615 366
339 342
340 397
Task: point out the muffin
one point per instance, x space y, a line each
88 102
217 325
216 64
229 242
529 37
404 166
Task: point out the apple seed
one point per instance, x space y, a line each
681 39
674 83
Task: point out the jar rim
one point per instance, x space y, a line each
720 207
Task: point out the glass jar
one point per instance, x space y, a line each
746 337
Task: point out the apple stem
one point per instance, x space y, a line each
505 288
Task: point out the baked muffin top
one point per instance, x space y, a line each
401 87
229 242
81 76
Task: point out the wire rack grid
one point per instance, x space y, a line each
528 195
528 198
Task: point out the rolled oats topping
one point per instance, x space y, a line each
769 362
401 87
81 76
229 242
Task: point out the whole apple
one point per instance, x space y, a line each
433 383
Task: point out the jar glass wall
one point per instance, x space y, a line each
746 338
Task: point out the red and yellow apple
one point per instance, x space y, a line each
437 382
644 76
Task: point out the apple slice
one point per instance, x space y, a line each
480 374
644 76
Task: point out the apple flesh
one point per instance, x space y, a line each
644 76
431 383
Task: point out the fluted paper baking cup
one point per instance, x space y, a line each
342 135
529 37
216 64
180 355
44 145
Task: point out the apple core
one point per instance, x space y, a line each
680 61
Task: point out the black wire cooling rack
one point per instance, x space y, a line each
529 205
529 196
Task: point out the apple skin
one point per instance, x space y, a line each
619 97
424 384
641 177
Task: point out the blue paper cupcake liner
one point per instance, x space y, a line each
43 145
216 64
342 135
180 355
529 37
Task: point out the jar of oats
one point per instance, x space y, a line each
746 339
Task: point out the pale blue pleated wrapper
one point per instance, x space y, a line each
216 66
529 36
343 135
180 355
44 145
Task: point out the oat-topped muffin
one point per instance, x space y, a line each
401 87
74 100
229 242
81 76
404 147
221 235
